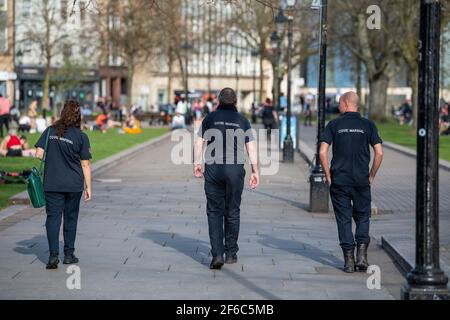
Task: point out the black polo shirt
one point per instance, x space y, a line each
63 171
351 137
227 132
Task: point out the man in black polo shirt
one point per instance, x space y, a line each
227 135
349 178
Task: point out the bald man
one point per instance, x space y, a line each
349 177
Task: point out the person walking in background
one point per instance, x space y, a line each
349 177
67 173
5 108
224 174
269 118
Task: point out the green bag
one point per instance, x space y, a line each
35 186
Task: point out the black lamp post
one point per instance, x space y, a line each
186 46
19 57
238 63
288 144
280 22
254 54
318 195
275 42
427 281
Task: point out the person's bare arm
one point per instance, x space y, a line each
323 154
253 157
377 160
198 163
86 166
275 115
3 145
39 153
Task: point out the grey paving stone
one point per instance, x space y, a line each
147 238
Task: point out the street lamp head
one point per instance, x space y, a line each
274 39
186 46
19 56
280 20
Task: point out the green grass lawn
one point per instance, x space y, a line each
406 136
102 146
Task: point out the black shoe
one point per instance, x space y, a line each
53 261
70 259
361 257
231 259
216 263
349 260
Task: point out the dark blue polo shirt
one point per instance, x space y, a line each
63 171
351 137
227 132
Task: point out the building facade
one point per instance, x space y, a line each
7 71
69 36
215 59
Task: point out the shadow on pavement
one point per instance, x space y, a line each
300 205
195 249
199 252
302 249
34 247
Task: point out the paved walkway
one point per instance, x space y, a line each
394 195
145 236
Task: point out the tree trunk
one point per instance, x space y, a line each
182 73
378 97
130 86
358 85
275 92
46 94
414 80
169 80
261 80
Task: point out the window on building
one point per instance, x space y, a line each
64 6
3 26
3 5
82 11
114 22
67 51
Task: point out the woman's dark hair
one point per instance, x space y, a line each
70 117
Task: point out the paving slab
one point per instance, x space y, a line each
145 236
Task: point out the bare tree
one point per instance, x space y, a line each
254 22
406 39
46 31
128 30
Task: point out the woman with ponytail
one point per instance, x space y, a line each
67 174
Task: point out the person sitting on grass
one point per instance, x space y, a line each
132 126
444 120
14 146
103 122
178 122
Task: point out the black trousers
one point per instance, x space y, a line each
59 204
223 188
4 121
352 202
